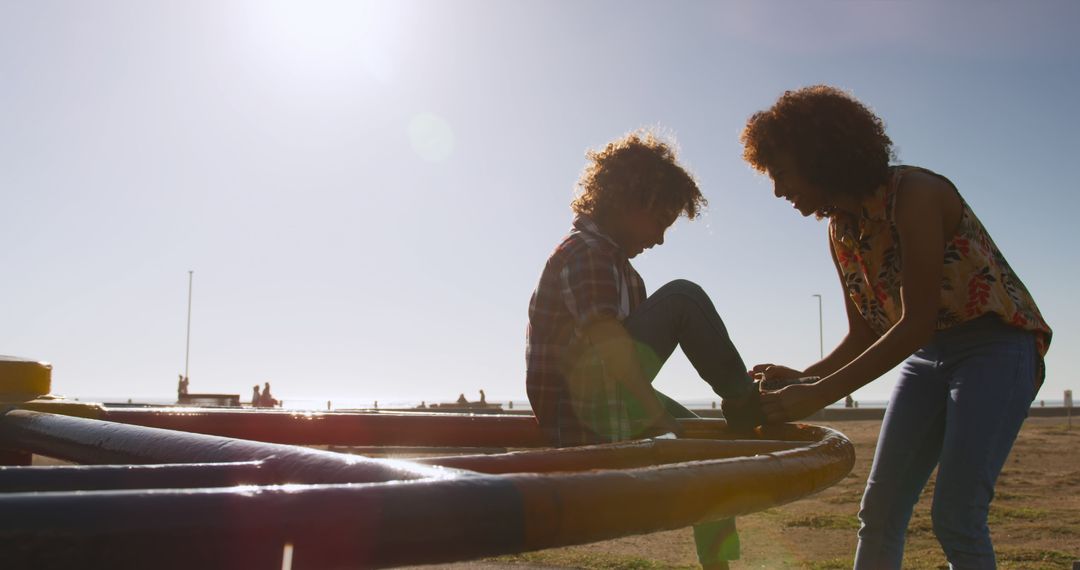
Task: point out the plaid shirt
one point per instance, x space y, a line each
588 276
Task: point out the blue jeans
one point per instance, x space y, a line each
958 405
681 314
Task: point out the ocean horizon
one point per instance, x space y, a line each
352 403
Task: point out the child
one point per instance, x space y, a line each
596 341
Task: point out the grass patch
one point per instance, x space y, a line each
831 564
1061 431
1000 514
839 522
589 560
925 559
1044 558
1010 496
852 499
920 527
1070 480
771 513
1064 531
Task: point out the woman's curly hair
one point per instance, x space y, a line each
637 169
836 142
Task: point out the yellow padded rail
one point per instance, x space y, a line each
23 379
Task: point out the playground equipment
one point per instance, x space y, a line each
202 488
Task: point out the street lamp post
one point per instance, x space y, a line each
821 338
821 330
187 349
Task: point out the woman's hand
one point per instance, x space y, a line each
793 403
773 372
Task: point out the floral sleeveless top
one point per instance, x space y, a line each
976 280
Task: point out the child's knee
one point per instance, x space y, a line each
684 287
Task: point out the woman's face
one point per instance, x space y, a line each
789 184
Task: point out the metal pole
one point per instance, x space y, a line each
821 340
187 350
821 329
1068 406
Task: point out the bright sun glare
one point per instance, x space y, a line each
321 40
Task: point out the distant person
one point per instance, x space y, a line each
596 341
181 386
924 285
268 400
256 398
483 398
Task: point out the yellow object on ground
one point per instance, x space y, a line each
23 379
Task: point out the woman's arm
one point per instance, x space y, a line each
859 337
920 218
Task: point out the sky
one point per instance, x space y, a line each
367 192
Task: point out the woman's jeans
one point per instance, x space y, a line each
681 314
958 405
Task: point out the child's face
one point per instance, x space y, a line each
638 228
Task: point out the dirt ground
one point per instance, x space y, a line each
1035 518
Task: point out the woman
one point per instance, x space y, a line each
924 285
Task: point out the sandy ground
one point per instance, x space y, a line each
1035 518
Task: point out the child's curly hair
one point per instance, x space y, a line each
637 169
836 142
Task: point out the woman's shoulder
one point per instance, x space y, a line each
918 190
907 176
